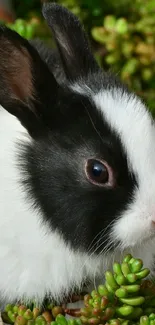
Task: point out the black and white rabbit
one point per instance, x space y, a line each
77 166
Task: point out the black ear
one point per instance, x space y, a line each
25 81
71 40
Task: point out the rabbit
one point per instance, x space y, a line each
77 166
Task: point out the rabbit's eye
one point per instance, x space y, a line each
98 172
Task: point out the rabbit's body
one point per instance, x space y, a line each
77 182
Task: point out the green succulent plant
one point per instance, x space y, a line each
129 47
120 296
30 29
126 298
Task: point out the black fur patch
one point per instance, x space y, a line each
55 179
52 58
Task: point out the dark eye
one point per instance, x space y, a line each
98 172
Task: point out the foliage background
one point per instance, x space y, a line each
122 34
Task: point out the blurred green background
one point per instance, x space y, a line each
122 33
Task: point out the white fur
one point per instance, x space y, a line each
129 118
34 261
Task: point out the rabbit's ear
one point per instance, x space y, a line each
71 40
25 81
